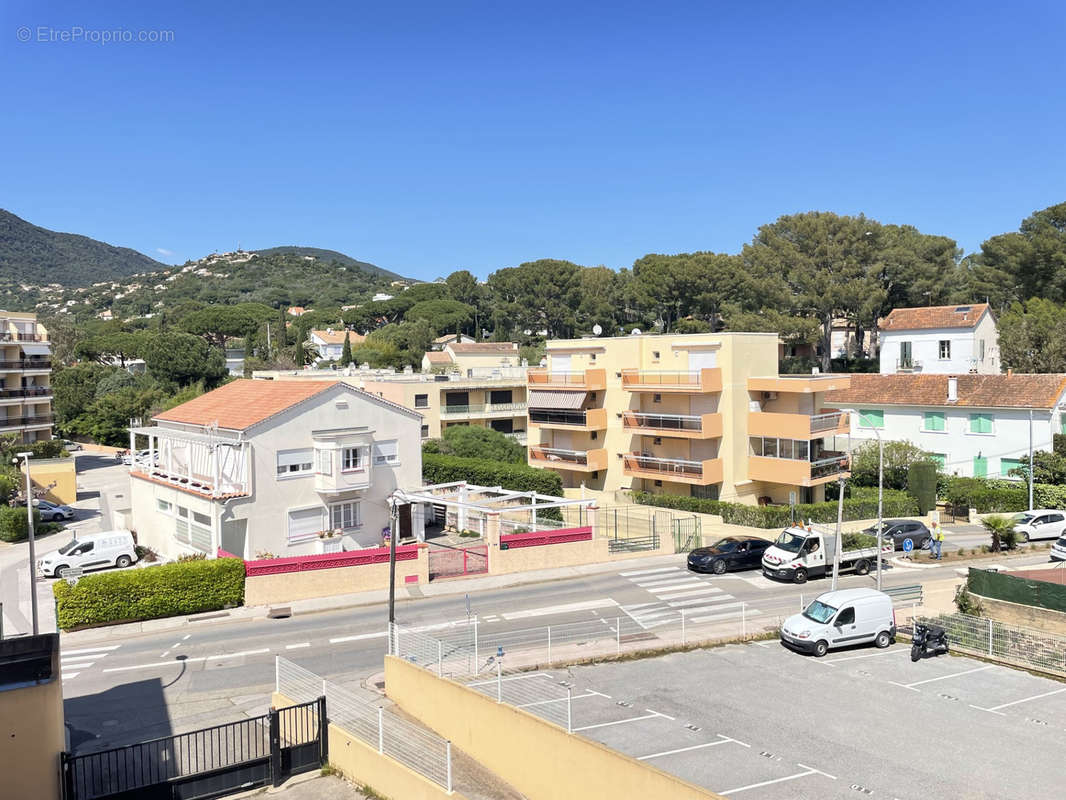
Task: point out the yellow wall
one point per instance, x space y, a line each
57 471
31 738
522 559
538 758
361 763
261 590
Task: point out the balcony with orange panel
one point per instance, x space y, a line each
673 470
574 460
678 426
798 472
589 419
798 426
698 381
590 379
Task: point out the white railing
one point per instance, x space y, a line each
997 640
412 745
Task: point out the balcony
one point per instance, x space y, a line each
796 472
591 380
33 392
909 365
483 410
802 384
21 337
589 419
340 481
25 364
26 422
575 460
674 470
698 381
797 426
678 426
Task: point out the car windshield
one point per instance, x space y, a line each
1022 518
725 545
68 546
819 612
790 542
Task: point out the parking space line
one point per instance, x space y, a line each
944 677
650 711
833 661
721 740
652 715
995 709
93 650
511 678
807 771
297 646
558 700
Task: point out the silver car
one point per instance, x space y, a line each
52 511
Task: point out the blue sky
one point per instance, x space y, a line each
429 136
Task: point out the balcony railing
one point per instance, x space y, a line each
589 379
23 422
29 391
22 337
830 466
689 426
797 426
558 458
588 419
25 364
708 379
796 471
482 408
908 365
681 470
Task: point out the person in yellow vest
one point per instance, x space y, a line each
938 539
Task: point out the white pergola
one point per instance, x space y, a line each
202 463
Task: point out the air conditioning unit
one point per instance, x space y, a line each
769 395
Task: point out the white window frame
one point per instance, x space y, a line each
386 459
324 461
354 515
289 458
940 348
360 459
164 506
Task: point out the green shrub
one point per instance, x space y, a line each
438 468
856 541
921 483
861 505
162 591
14 526
988 496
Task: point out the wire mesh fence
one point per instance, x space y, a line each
398 738
997 640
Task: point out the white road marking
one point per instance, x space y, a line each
722 740
833 661
195 659
807 771
68 675
695 601
65 659
90 650
186 636
652 715
297 646
663 583
688 592
945 677
358 637
1023 700
164 654
558 700
649 571
511 678
751 612
586 605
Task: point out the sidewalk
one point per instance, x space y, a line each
442 588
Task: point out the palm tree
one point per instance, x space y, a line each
1002 529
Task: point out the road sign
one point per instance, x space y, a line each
908 545
71 574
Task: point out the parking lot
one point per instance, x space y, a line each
758 721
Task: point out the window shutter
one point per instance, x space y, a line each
305 524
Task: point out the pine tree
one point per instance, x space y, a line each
283 339
299 355
346 352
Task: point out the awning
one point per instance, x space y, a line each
36 349
559 399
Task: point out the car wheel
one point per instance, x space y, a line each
57 517
718 567
123 562
1024 537
801 575
60 571
821 648
884 639
862 567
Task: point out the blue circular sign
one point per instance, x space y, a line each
908 545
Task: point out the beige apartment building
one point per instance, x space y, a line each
25 377
705 415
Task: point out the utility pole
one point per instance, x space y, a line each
1032 466
33 558
840 534
880 500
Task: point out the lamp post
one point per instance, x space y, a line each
880 487
29 520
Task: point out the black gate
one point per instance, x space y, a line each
210 762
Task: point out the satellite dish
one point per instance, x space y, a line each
527 331
597 329
635 332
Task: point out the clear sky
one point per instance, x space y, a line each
431 136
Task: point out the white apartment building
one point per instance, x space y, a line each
329 343
974 425
267 466
941 340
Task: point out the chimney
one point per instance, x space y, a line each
953 389
1010 371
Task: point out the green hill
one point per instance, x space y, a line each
328 256
31 254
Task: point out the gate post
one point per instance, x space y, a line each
275 747
323 731
67 775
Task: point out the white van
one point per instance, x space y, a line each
90 551
839 619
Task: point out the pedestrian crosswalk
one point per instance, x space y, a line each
677 590
72 662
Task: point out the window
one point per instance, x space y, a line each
945 349
657 440
386 452
294 462
593 435
500 396
905 359
655 355
305 524
846 617
352 459
769 448
934 421
325 461
802 453
656 398
1007 464
421 401
981 349
163 506
940 459
181 524
658 483
872 418
200 532
344 516
592 357
784 448
980 423
425 431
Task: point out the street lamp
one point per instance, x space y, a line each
29 518
880 486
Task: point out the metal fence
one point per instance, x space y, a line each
410 744
993 639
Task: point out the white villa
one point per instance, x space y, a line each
942 340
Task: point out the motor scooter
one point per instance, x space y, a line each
928 639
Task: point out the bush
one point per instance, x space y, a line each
517 477
861 505
987 496
13 524
162 591
921 483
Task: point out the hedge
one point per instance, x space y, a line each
994 496
437 468
13 523
166 590
861 505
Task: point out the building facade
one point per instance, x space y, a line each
25 378
974 425
260 467
941 340
329 343
705 415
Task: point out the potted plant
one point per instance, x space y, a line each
330 541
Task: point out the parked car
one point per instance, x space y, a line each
1043 523
839 619
140 457
900 529
732 552
70 446
53 511
90 551
1058 550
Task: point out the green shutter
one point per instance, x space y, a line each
872 418
1006 465
980 467
940 459
934 421
980 423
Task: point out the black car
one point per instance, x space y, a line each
732 552
900 529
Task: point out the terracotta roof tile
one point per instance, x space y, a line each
487 348
931 317
337 336
243 403
976 391
438 357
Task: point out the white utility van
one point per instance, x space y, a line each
841 618
90 551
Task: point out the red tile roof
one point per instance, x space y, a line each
976 391
486 348
243 403
337 336
932 317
